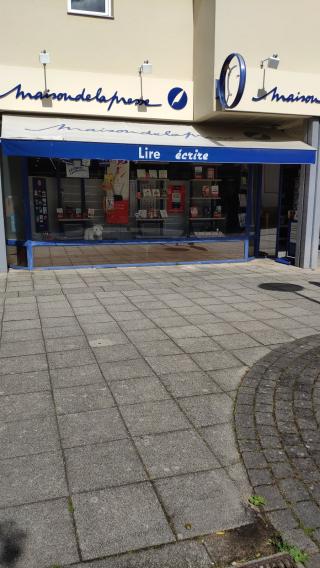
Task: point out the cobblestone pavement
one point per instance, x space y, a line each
116 409
277 420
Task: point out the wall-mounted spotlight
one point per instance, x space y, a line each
144 69
272 62
44 58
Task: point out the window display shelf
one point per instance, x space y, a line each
78 220
205 198
206 218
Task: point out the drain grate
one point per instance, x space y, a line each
275 561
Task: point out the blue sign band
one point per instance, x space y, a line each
156 153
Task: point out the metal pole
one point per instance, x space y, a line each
309 202
3 246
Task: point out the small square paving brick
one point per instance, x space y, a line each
153 417
84 375
168 364
121 370
91 427
273 497
202 503
28 405
215 360
282 520
308 513
103 465
33 478
120 519
28 437
45 533
82 399
209 409
24 382
294 490
189 384
72 358
134 391
27 363
174 453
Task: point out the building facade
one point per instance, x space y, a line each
154 132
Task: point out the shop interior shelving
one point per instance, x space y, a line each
207 222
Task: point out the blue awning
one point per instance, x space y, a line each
105 140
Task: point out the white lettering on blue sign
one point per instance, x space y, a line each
194 155
146 154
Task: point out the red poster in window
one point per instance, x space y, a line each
176 198
119 214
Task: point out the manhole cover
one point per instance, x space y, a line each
275 561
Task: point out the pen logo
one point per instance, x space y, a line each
177 98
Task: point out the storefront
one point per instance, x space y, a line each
108 193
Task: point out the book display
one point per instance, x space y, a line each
206 214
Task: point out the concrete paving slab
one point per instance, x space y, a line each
43 534
120 519
103 465
189 384
27 437
27 405
209 409
82 398
201 503
33 478
71 358
174 453
133 391
84 375
97 426
24 382
179 555
153 417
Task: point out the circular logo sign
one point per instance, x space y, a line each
177 98
232 80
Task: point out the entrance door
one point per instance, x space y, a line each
276 211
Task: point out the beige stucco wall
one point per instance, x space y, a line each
257 29
92 52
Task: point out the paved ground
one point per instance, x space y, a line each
277 424
116 419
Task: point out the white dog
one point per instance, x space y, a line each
93 233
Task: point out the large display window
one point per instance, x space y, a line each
90 212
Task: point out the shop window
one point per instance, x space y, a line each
102 8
